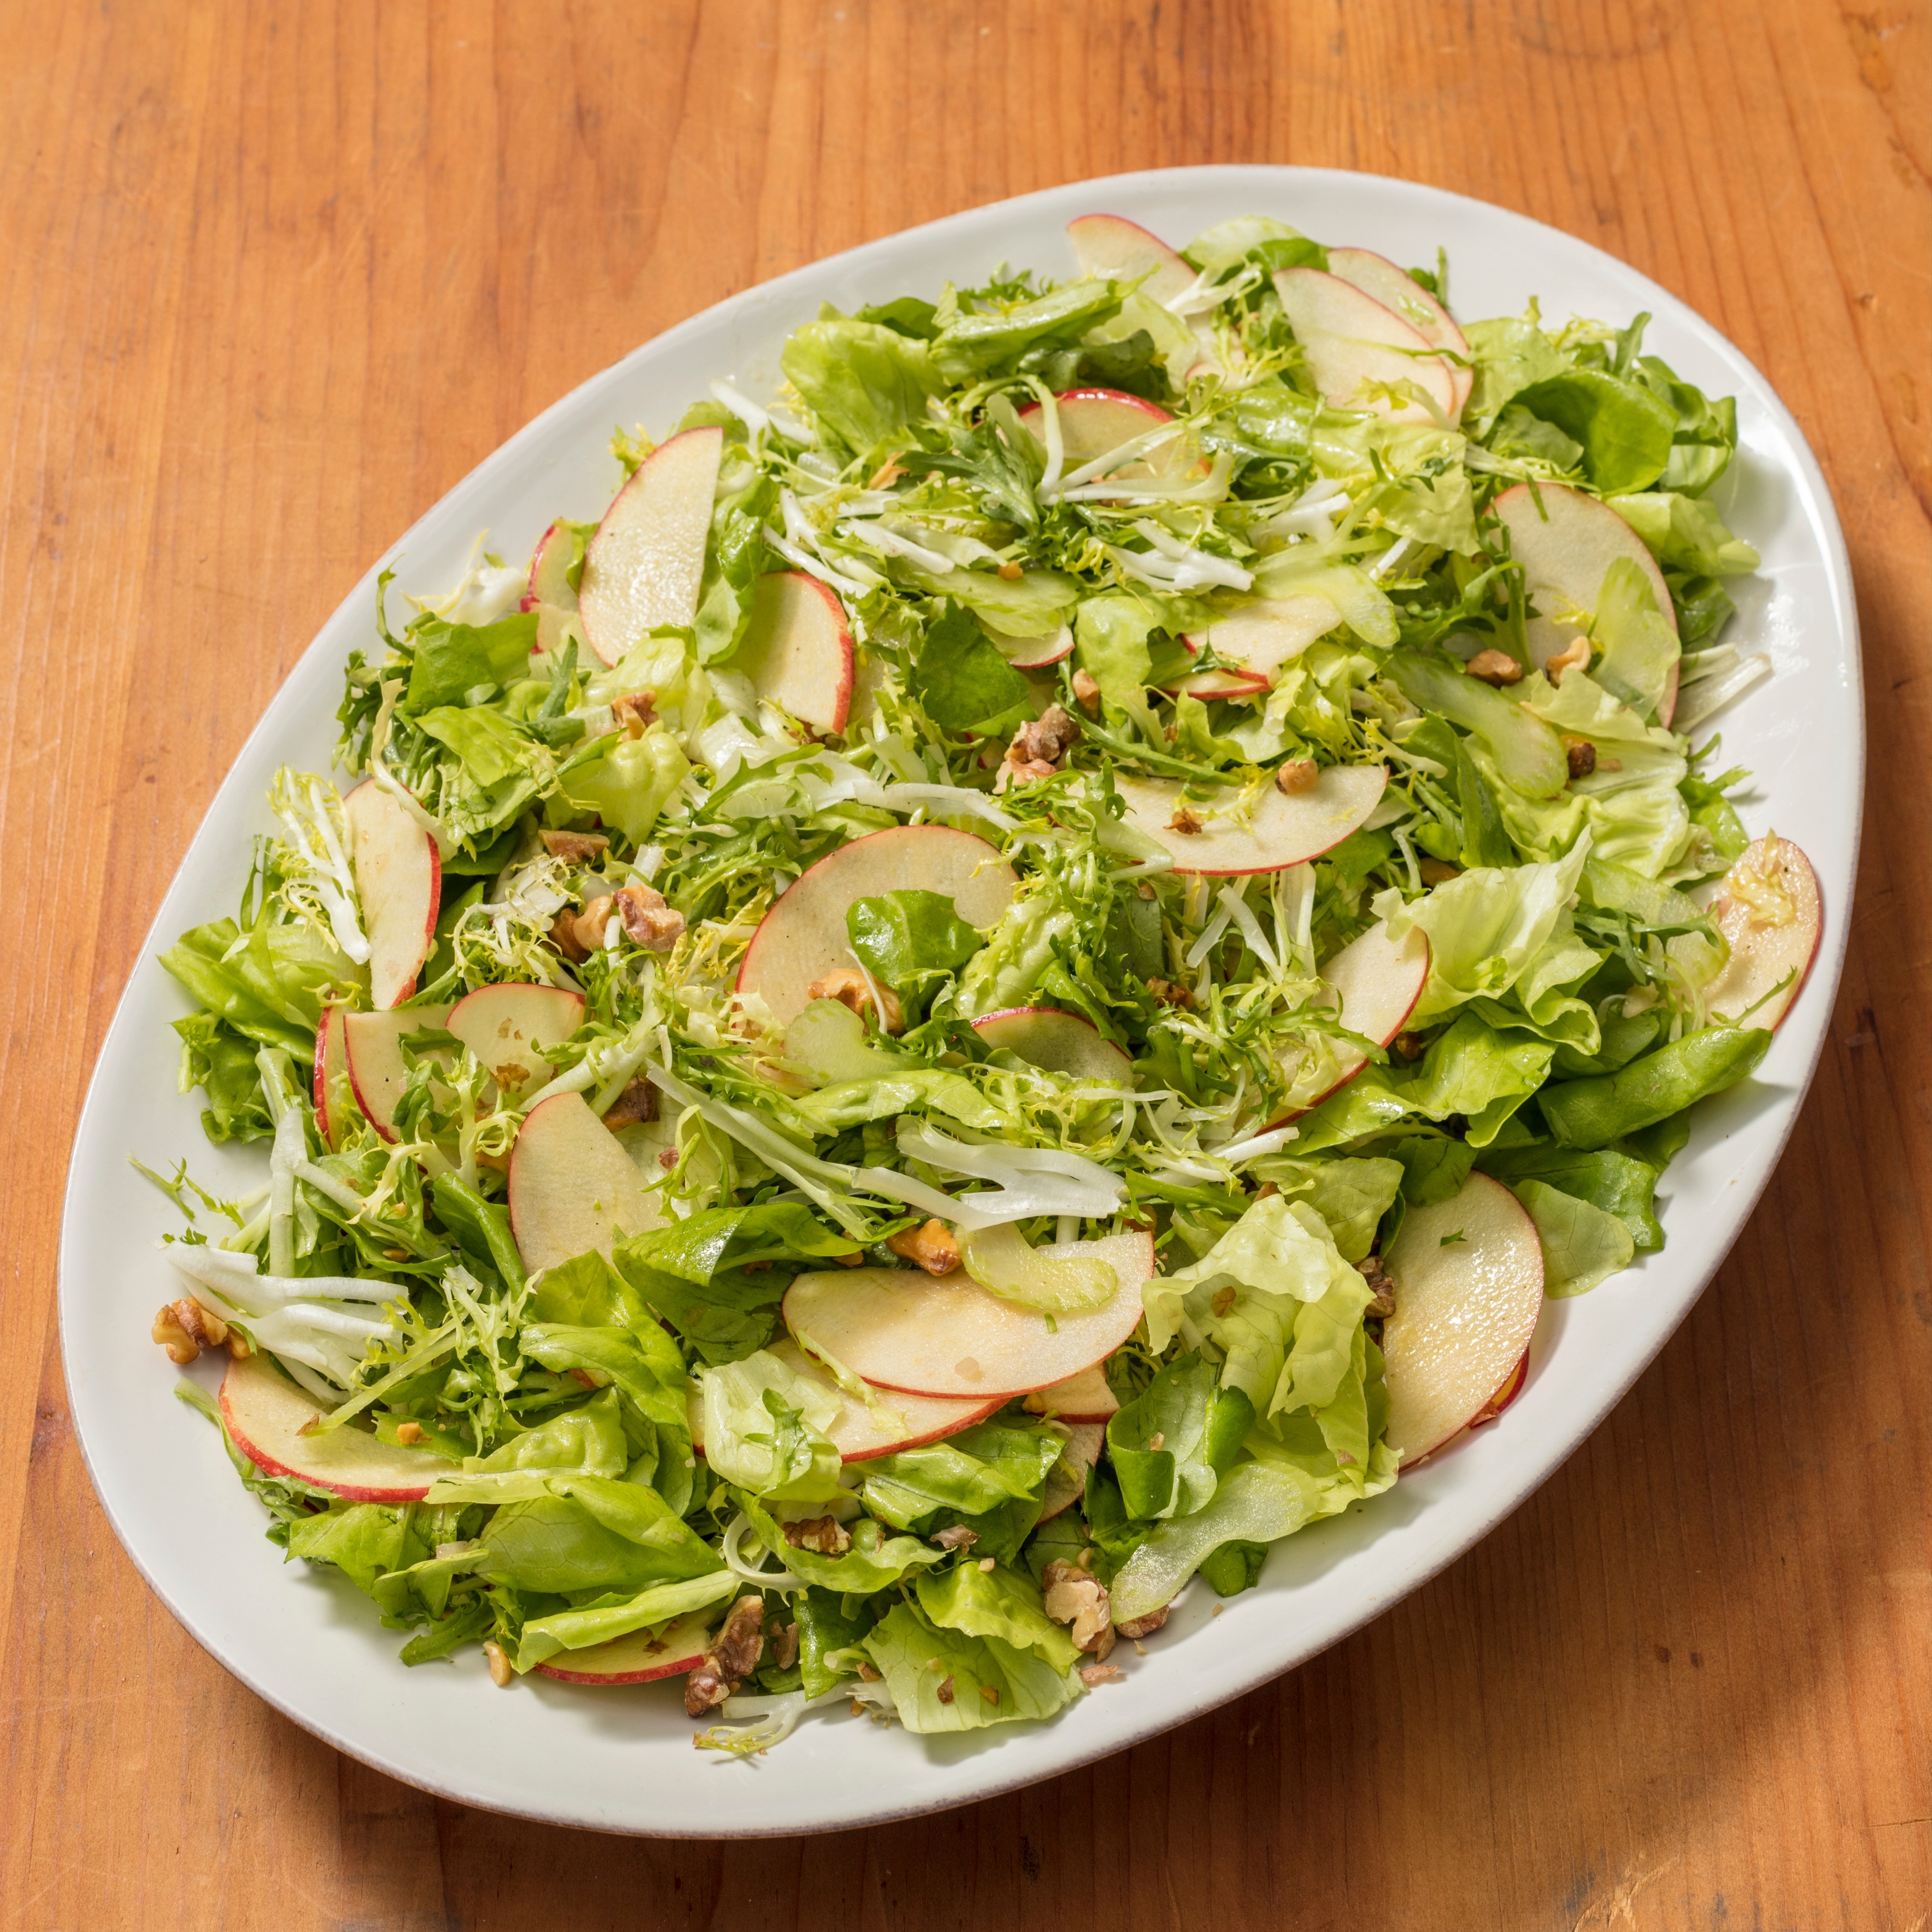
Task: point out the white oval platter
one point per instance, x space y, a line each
621 1760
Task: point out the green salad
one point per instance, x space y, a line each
1015 979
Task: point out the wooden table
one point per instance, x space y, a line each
276 277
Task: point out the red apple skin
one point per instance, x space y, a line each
679 1667
1296 1114
271 1465
931 1435
1062 649
831 718
318 1079
1507 1394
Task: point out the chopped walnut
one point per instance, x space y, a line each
1043 742
650 923
857 1258
1298 774
944 1692
731 1657
667 1158
1381 1303
498 1659
633 711
1184 822
784 1646
823 1535
563 937
1411 1046
591 923
1027 771
1580 755
638 1101
1438 872
1086 692
1574 656
1136 1628
957 1537
987 1691
1091 1674
578 848
930 1246
185 1327
408 1434
849 987
1010 572
1074 1597
1143 889
1168 994
1224 1300
1495 668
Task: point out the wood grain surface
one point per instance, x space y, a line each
276 276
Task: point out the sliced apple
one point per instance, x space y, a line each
572 1186
1085 1397
1224 681
643 567
266 1413
1353 343
548 591
399 881
1056 1042
803 937
1380 982
1094 422
334 1092
1468 1289
900 1329
797 650
1066 1480
1768 907
1564 548
1281 829
1034 653
895 1421
372 1048
639 1658
1511 1388
1255 642
1122 250
1377 277
504 1026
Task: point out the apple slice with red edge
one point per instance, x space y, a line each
643 567
1565 542
1093 422
899 1328
1256 641
797 649
549 592
399 881
1224 681
505 1025
266 1413
1066 1480
1468 1290
1769 909
1377 277
333 1091
1034 653
676 1651
803 936
1086 1397
1283 828
572 1186
372 1049
1351 341
1505 1396
1057 1043
1381 982
1124 251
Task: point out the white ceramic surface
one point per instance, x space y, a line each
622 1759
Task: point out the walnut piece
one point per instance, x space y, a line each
638 1101
185 1327
563 937
1184 822
848 986
784 1646
824 1535
650 923
578 848
731 1657
1044 741
930 1247
1170 995
633 711
408 1434
1496 667
1411 1046
1136 1628
1382 1288
1580 755
1297 775
1075 1598
1086 692
1575 656
1092 1674
956 1537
